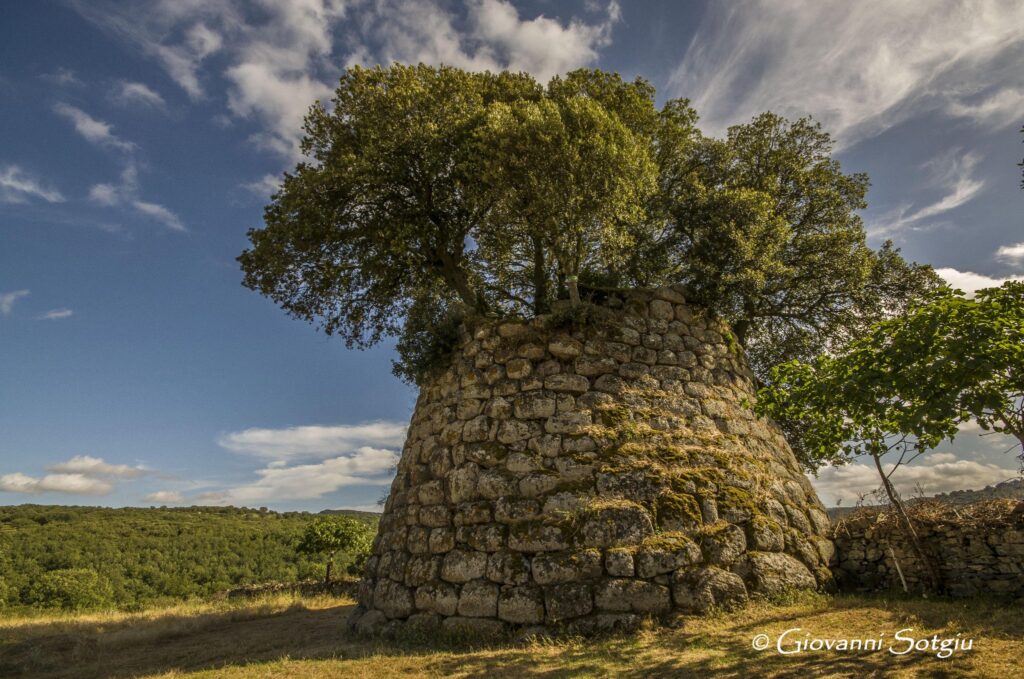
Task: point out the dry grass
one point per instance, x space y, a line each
285 637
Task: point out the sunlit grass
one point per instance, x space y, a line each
284 636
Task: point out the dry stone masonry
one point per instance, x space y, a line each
586 469
978 549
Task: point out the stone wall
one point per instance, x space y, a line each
586 469
979 549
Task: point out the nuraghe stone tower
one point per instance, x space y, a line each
583 475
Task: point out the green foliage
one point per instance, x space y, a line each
333 534
149 556
435 194
767 234
910 380
433 327
71 589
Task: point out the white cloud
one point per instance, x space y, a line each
7 300
160 214
1012 253
165 497
954 173
16 186
971 282
283 57
104 194
364 466
859 67
96 466
55 315
999 110
127 193
265 186
71 484
314 441
136 94
934 473
91 129
64 77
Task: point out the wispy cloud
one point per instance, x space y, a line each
935 473
281 59
128 94
265 186
55 315
1011 253
363 466
953 173
165 497
63 77
96 466
7 300
17 186
160 214
91 129
999 109
81 475
859 67
314 441
127 193
70 484
971 282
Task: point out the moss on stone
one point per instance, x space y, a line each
673 506
666 541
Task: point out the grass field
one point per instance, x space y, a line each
287 637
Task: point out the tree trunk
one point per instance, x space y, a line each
330 565
574 291
540 279
934 577
455 276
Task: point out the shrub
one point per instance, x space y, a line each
72 589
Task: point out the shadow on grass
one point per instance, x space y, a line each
243 639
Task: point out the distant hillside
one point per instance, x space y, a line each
354 513
1012 489
138 556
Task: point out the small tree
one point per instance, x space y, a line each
905 386
329 536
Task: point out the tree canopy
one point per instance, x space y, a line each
907 383
330 535
430 194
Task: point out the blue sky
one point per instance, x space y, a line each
139 141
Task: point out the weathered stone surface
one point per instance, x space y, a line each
463 566
774 573
615 525
573 566
724 543
706 588
565 348
534 405
508 568
575 384
521 605
478 599
595 472
619 562
393 599
569 600
537 536
627 594
666 555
